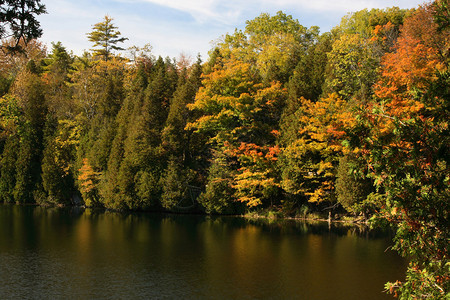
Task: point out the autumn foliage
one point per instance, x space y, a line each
351 122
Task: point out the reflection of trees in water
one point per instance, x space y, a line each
321 228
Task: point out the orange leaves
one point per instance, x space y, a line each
326 119
254 153
413 65
416 59
254 180
86 176
408 72
240 115
385 36
404 107
312 158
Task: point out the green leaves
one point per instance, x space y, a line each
271 44
105 38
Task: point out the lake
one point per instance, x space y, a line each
55 253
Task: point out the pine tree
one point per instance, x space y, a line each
218 194
352 185
62 139
18 21
110 189
8 169
105 38
174 186
30 92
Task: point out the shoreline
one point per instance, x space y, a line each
265 215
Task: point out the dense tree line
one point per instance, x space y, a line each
279 116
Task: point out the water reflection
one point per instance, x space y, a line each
54 253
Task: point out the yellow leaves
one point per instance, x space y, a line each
234 78
317 196
232 101
324 167
276 52
250 201
68 133
199 123
251 186
313 156
269 44
9 115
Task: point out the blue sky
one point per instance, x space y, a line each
172 27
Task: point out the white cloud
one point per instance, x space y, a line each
229 11
343 6
226 12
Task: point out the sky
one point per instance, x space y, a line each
190 27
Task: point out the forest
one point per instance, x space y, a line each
278 117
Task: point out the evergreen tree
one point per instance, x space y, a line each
218 194
8 169
57 68
18 21
174 185
308 77
59 159
127 116
352 185
174 136
105 38
30 92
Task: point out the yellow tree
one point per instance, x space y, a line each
239 113
88 183
309 162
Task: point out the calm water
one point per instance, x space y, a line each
72 253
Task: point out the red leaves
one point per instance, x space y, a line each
253 152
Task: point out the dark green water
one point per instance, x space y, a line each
77 254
